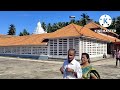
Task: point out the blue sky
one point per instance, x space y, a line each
28 19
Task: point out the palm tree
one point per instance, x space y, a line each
49 28
54 27
113 24
72 21
59 25
85 19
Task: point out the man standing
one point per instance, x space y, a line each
71 68
117 57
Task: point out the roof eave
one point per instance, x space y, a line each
64 37
45 44
94 38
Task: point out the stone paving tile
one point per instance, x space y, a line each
16 68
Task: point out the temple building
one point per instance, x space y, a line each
42 45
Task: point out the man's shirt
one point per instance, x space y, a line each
75 65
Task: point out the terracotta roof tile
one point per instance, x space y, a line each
71 30
93 25
23 40
68 31
76 30
89 33
111 39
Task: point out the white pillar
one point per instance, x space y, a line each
82 41
86 43
11 48
80 47
31 49
53 47
96 47
57 47
103 47
106 48
20 50
67 44
48 48
4 49
73 43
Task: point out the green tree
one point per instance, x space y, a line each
55 27
59 25
97 22
118 26
43 26
12 30
72 21
63 24
25 32
21 34
49 28
85 18
115 24
66 23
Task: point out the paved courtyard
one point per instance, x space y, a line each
16 68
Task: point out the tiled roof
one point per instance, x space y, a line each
111 39
71 30
74 30
1 35
24 40
93 25
6 36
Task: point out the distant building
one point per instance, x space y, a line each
56 44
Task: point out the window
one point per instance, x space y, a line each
40 50
61 46
1 50
7 50
26 50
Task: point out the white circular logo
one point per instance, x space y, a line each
105 20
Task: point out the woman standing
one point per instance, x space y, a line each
88 72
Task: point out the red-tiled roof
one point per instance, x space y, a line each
24 40
111 39
74 30
71 30
93 25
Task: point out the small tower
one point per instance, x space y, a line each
39 29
